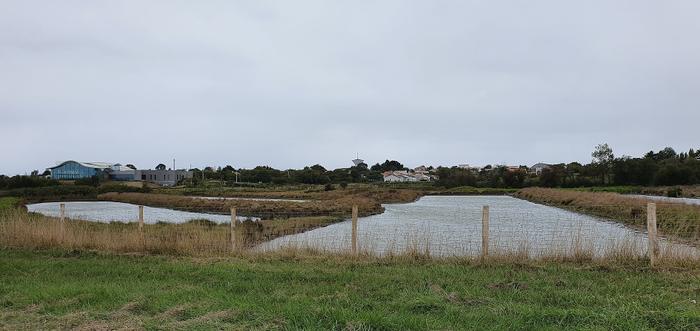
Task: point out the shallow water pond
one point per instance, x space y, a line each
451 225
107 211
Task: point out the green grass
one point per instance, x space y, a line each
51 289
8 203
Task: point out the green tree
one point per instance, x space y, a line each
666 153
453 177
550 177
603 157
392 165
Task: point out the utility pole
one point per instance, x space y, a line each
174 164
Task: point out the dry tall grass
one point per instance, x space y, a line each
21 229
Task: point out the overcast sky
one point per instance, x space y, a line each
295 83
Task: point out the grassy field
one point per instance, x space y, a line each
73 290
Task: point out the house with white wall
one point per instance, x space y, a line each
537 168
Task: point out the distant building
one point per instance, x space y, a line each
405 176
468 167
537 168
513 168
422 169
162 177
358 161
398 176
70 170
121 173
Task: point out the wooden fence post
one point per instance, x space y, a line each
485 231
143 237
63 212
141 218
651 230
62 207
233 229
354 230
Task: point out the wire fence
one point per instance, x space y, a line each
526 230
506 227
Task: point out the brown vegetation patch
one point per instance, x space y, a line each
263 209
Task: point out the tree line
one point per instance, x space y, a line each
663 168
315 174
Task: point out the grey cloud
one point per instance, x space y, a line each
295 83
